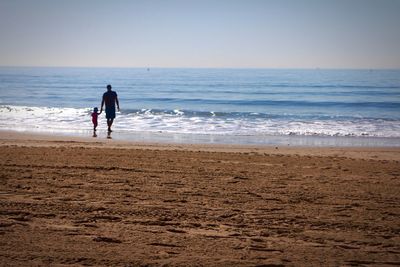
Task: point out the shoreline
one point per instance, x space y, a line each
30 139
217 139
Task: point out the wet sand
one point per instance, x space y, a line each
79 202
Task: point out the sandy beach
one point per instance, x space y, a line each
94 202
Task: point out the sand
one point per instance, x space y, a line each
94 202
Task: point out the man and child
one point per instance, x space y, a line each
109 100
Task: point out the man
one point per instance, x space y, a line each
109 99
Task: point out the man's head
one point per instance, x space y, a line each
109 87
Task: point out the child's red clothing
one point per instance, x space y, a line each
94 118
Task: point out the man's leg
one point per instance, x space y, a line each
109 123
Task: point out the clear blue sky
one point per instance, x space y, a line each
202 33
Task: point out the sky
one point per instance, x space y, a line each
201 33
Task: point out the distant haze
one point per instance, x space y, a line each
203 33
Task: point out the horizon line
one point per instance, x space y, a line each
158 67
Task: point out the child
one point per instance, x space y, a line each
95 114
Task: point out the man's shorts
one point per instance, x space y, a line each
110 113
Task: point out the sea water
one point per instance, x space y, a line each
244 106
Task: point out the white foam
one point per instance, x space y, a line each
44 118
72 119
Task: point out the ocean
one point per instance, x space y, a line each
232 106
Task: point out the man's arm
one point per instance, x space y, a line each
116 101
102 104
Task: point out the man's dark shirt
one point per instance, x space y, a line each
109 99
